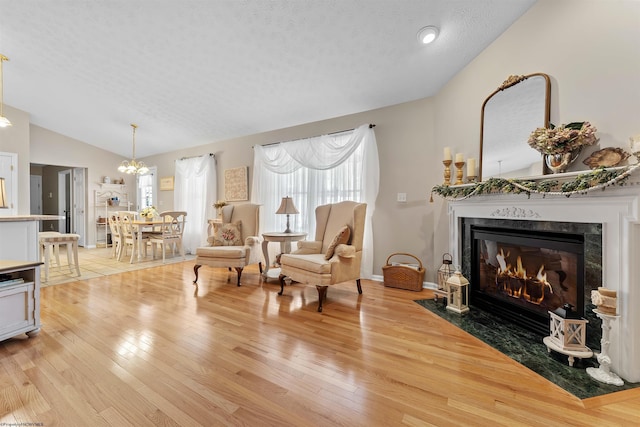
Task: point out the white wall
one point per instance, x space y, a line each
51 148
15 139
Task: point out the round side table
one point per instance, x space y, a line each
285 240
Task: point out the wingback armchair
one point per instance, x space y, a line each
234 243
335 254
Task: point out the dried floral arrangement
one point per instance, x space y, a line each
564 138
220 204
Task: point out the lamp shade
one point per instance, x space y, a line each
287 207
3 194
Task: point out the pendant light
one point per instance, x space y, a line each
133 167
4 122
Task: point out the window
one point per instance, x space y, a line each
147 190
317 171
310 188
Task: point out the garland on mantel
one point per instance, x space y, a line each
597 179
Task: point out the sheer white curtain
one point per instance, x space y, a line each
316 171
195 192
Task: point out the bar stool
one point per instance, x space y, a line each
55 240
53 247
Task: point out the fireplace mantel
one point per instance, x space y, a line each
618 210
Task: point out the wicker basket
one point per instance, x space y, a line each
402 276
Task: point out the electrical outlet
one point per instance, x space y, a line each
402 197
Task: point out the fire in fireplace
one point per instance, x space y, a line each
524 274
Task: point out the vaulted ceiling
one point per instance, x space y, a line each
192 72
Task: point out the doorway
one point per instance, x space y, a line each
64 201
63 192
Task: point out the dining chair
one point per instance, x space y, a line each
170 233
116 238
128 233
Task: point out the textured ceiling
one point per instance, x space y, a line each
192 72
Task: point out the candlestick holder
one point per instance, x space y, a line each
447 172
459 173
603 373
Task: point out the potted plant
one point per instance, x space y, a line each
149 213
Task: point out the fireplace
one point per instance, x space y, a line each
523 275
522 270
610 223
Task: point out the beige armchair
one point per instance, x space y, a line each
234 243
335 254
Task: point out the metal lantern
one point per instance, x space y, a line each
444 272
458 293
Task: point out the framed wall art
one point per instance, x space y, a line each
236 184
166 183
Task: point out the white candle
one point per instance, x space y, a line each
459 158
447 153
471 167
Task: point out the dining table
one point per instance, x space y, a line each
140 226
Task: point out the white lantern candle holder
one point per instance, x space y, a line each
567 336
458 293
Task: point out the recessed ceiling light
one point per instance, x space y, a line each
427 34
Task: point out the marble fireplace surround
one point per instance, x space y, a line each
617 209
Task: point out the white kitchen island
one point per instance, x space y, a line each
19 236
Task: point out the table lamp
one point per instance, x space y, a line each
287 208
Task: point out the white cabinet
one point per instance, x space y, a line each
19 298
110 199
19 239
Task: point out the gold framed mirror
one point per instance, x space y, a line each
509 115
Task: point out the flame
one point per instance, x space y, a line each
542 276
520 272
517 284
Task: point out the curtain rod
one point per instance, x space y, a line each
191 157
371 126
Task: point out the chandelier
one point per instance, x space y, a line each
4 122
132 167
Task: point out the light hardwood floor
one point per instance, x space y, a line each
146 347
98 262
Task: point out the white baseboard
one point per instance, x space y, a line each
425 285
